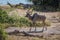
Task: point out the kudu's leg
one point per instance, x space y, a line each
43 29
44 26
35 27
30 28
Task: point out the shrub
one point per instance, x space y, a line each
24 22
11 20
3 34
3 16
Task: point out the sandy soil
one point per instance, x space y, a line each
22 12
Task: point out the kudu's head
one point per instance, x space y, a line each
29 16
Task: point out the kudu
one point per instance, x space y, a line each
36 17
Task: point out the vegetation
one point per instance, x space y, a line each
46 5
3 16
15 21
3 34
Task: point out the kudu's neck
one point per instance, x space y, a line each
30 17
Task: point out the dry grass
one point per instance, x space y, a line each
13 37
51 37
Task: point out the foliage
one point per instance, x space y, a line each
3 16
19 22
11 20
24 22
3 34
46 3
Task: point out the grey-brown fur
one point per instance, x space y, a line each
35 18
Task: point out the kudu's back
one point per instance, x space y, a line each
37 17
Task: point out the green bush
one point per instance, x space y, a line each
11 20
14 22
24 22
3 16
3 34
